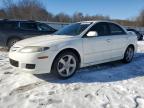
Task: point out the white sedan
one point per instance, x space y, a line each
77 45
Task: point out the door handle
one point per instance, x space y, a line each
108 40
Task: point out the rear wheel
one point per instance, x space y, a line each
65 65
128 56
11 42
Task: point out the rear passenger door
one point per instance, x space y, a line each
118 39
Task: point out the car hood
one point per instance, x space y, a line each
44 40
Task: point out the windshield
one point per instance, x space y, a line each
73 29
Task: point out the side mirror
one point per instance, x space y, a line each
92 34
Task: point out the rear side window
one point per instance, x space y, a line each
115 29
9 25
28 26
101 28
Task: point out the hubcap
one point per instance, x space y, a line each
129 54
66 65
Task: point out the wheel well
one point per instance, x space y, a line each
70 50
131 45
13 37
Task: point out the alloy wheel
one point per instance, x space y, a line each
66 65
129 54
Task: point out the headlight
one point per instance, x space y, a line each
31 49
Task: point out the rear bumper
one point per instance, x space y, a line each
29 62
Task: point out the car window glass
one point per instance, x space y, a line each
115 29
44 27
9 25
1 25
101 29
28 26
73 29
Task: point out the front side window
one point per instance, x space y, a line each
73 29
116 30
28 26
44 27
101 28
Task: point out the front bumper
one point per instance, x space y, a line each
29 62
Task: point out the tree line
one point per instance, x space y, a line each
35 10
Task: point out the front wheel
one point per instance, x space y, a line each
128 56
65 65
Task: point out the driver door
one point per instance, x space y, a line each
97 49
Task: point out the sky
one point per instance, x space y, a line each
116 9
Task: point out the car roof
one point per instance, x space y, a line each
14 20
97 21
131 29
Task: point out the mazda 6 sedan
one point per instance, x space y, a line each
78 45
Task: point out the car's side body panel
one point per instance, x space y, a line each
115 50
92 50
96 49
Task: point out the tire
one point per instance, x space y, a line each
11 42
65 65
128 55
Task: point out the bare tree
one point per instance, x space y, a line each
140 18
35 10
2 14
78 16
26 9
61 17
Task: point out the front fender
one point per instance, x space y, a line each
76 45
